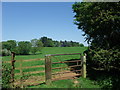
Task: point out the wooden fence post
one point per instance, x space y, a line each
83 58
13 68
48 76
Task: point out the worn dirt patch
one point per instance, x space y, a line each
32 80
36 80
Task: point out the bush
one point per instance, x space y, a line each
6 75
101 58
6 52
104 66
105 82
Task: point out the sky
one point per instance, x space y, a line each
23 21
0 22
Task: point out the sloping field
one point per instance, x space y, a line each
48 50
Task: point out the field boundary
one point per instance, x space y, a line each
81 62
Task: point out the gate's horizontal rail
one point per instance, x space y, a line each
30 83
31 60
31 67
66 67
62 78
30 72
66 61
63 54
61 72
34 83
64 72
6 61
24 60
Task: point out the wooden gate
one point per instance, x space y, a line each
67 69
26 72
75 67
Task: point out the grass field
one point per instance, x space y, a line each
48 50
45 51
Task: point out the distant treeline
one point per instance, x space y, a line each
34 45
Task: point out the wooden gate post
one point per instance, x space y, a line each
13 68
83 58
48 69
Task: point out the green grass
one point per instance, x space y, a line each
84 83
45 51
48 50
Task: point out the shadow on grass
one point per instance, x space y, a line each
29 54
36 54
36 84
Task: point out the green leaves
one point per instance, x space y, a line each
24 47
106 59
98 20
6 75
101 24
9 45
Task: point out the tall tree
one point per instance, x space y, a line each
39 43
5 45
34 42
100 22
12 44
24 47
56 43
9 45
47 42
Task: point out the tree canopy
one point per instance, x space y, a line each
24 47
100 22
35 45
9 45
